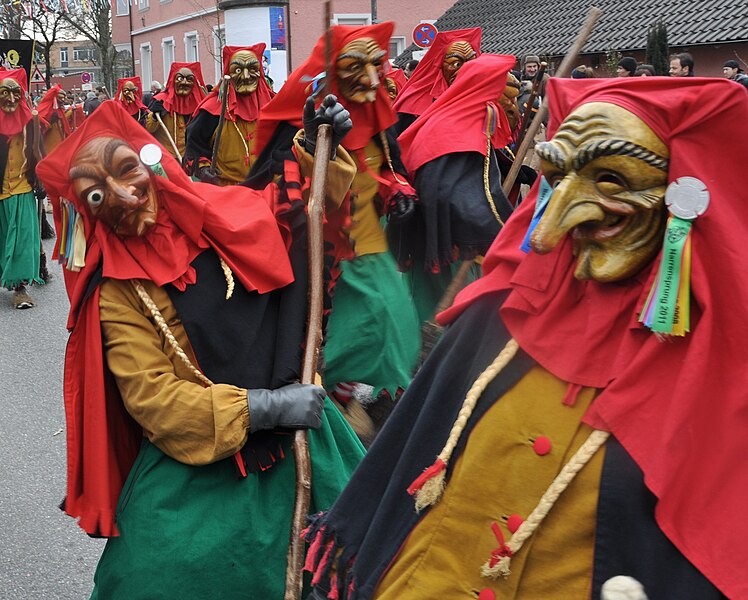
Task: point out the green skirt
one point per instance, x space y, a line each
202 533
372 335
20 242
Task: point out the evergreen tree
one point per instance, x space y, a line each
658 53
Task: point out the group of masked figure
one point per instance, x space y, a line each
551 442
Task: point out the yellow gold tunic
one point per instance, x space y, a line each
500 477
14 180
235 157
365 232
176 125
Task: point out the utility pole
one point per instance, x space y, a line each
373 11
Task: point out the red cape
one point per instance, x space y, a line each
457 120
12 124
427 82
131 108
183 105
288 104
678 406
245 106
238 223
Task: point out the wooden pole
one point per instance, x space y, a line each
315 217
566 65
168 135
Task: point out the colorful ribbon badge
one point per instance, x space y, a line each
667 309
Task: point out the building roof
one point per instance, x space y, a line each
548 27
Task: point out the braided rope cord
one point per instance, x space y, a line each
474 394
164 327
486 183
386 148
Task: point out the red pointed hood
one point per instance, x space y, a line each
11 124
288 104
459 119
245 106
427 82
183 105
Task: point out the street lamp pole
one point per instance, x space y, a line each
373 11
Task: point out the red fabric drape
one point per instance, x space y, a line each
456 121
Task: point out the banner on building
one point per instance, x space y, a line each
15 54
277 28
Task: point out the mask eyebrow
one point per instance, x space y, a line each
550 153
79 171
609 147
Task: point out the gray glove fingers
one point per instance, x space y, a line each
309 111
329 101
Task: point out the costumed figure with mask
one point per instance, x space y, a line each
436 72
185 89
130 96
19 221
567 435
394 81
57 122
450 153
372 333
187 324
248 92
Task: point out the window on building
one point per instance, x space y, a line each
352 19
219 41
397 46
143 4
123 7
191 52
64 56
146 65
168 47
83 54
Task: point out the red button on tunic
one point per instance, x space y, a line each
542 446
513 523
487 595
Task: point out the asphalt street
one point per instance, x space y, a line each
43 553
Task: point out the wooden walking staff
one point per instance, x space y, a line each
315 218
563 71
431 330
530 102
168 135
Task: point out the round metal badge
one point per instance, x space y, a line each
687 197
151 155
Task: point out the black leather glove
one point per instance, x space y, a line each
206 175
157 107
294 406
527 175
401 208
330 112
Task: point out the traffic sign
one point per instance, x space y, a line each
86 77
36 76
424 35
